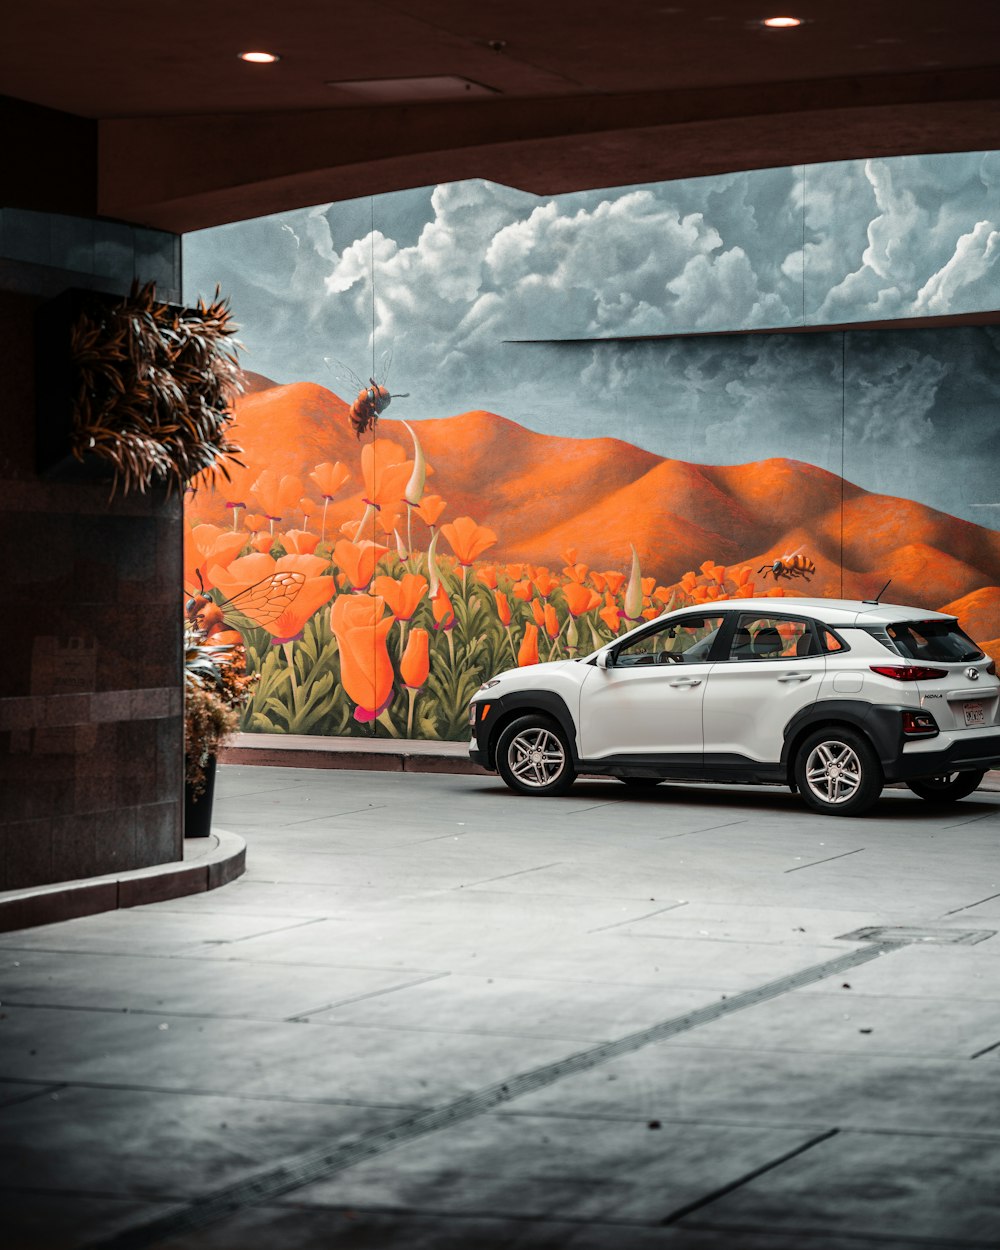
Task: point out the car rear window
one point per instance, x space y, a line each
941 641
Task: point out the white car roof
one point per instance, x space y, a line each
828 611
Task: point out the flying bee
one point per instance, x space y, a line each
373 398
259 604
790 566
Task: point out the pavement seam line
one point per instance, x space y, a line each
740 1181
829 860
319 1164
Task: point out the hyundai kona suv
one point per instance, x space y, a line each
831 697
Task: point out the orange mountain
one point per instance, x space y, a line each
543 494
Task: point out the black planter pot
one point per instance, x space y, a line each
198 812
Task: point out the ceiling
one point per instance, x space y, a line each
145 113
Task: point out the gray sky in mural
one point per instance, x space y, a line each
464 268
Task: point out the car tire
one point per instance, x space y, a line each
838 773
948 787
533 757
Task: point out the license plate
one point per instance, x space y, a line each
975 714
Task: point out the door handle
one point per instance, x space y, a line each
687 681
795 677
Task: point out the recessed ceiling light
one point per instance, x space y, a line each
259 58
781 23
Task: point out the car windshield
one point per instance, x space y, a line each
939 641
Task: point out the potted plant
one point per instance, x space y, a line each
216 686
135 389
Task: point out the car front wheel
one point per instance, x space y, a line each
533 757
948 788
838 773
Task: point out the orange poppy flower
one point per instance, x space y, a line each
614 581
576 572
580 598
746 591
552 625
329 478
277 496
523 590
467 539
515 571
503 607
527 653
280 595
430 509
545 583
487 574
569 555
415 664
358 560
386 471
650 613
206 545
366 671
403 596
299 542
600 582
444 613
307 507
689 581
744 576
538 612
235 490
263 542
611 617
254 521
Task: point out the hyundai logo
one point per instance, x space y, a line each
972 674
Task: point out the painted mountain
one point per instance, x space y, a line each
544 495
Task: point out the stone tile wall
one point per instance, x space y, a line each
91 728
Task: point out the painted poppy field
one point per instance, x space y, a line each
391 623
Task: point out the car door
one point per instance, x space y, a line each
647 702
772 667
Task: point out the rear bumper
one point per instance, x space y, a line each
962 752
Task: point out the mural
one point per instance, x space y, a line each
508 487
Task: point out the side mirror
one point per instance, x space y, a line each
605 660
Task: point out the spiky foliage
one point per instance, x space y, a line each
154 388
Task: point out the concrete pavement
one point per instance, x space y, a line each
434 1015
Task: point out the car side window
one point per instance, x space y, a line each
771 638
684 641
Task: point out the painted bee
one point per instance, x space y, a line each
372 399
790 566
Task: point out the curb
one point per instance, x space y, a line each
222 859
364 761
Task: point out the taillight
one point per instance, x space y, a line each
919 725
991 668
909 672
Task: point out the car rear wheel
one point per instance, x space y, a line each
948 787
533 757
838 773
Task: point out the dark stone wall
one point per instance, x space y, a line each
91 705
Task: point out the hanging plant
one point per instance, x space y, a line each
153 388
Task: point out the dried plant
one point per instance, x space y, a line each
155 384
216 686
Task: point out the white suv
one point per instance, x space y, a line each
830 697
